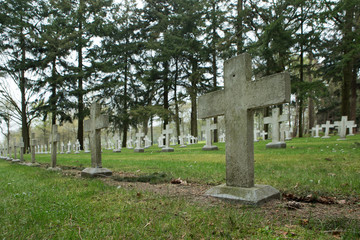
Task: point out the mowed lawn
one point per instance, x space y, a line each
306 166
39 204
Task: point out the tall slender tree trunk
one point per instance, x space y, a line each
311 112
80 130
24 123
214 59
239 27
300 94
53 93
353 95
177 117
193 96
125 104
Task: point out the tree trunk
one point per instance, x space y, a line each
53 93
177 118
353 99
80 131
125 105
24 122
239 27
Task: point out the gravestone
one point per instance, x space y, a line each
9 149
147 142
15 160
275 121
160 141
173 140
94 126
33 143
62 147
46 151
181 139
316 130
256 135
77 146
118 146
129 144
138 148
54 139
21 146
263 134
208 128
351 125
342 125
287 133
237 102
188 139
222 137
327 127
167 131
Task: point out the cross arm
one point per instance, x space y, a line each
102 121
212 104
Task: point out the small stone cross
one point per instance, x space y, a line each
316 130
263 134
275 121
138 147
342 125
21 146
237 101
208 128
351 125
167 131
33 144
327 127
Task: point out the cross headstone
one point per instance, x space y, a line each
222 137
208 128
327 127
188 139
21 146
256 134
129 144
94 126
118 146
62 147
33 143
147 142
316 130
173 140
160 141
167 131
181 139
351 125
342 127
69 148
263 134
54 139
77 146
237 102
138 147
287 133
275 121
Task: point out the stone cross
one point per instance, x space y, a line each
147 142
173 140
351 125
181 139
54 139
94 126
62 146
129 144
275 121
316 130
86 146
69 148
263 134
160 141
138 147
14 148
167 131
237 101
256 135
77 146
33 144
208 128
21 146
342 127
188 139
327 127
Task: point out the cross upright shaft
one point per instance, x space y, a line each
237 102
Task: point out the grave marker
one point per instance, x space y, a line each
208 128
237 102
275 121
167 131
54 139
138 148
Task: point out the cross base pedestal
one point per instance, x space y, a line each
256 195
95 172
351 134
9 159
276 145
341 139
325 137
288 139
210 148
116 150
54 169
169 149
32 164
16 160
182 146
138 150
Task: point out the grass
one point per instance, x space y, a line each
37 204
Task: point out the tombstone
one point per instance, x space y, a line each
15 160
188 139
222 137
193 140
94 126
327 127
69 148
129 144
282 131
181 139
46 152
138 148
342 127
9 158
275 121
77 146
256 134
62 147
351 125
167 133
147 142
21 146
316 130
54 139
160 141
173 140
208 128
118 146
33 143
263 134
237 102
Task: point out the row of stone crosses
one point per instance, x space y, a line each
237 103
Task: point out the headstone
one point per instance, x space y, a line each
237 102
222 137
275 121
46 152
188 139
316 130
256 135
351 125
54 139
327 127
193 140
263 134
181 139
167 133
173 140
77 146
118 146
160 141
15 160
94 126
33 144
287 133
129 144
147 142
69 148
342 127
62 147
9 158
138 148
208 128
21 146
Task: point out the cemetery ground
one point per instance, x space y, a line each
156 195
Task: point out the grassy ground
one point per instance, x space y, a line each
37 204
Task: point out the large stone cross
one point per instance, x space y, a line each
208 128
94 126
54 139
342 126
167 131
237 101
275 121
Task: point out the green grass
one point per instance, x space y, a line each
37 204
306 166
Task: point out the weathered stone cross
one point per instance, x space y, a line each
237 101
342 127
33 144
54 139
94 126
327 127
316 130
21 146
167 133
208 128
138 147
